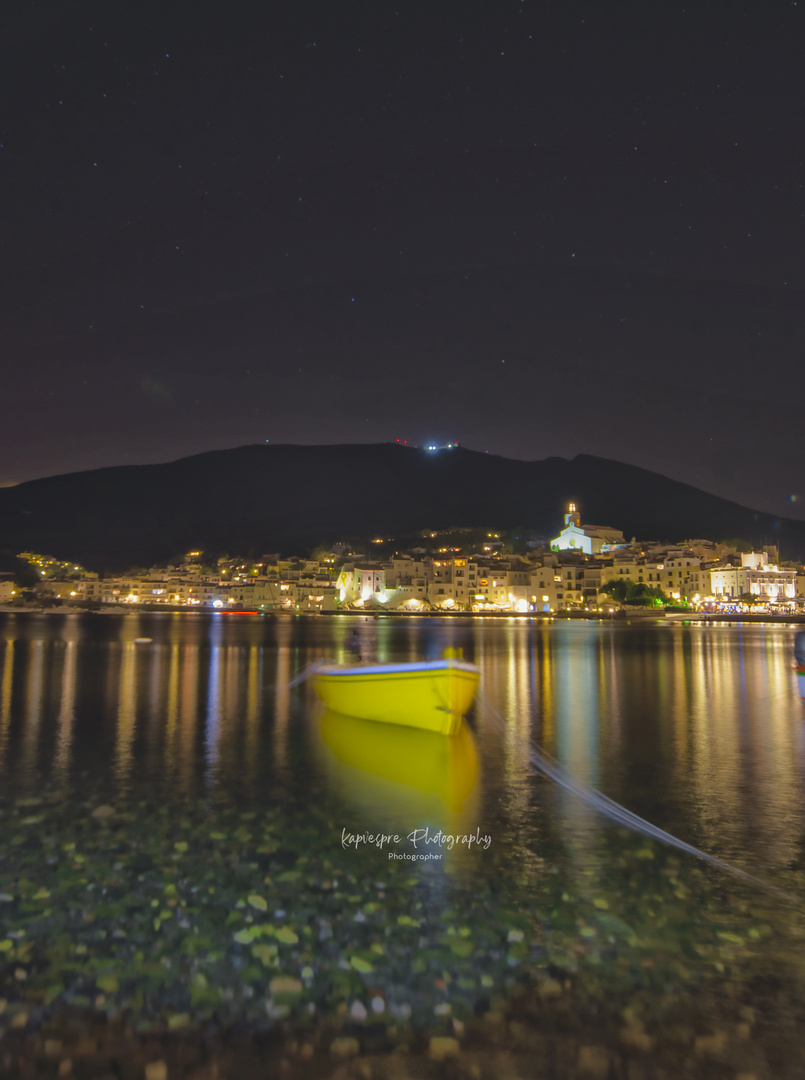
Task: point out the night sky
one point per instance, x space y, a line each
537 228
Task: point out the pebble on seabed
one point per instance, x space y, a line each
344 1047
358 1011
442 1046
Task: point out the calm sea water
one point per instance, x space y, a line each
698 728
199 737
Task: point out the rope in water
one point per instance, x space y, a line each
305 673
544 764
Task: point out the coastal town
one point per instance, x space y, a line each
584 569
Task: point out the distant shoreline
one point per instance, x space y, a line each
718 617
535 616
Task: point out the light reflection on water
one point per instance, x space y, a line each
5 700
697 728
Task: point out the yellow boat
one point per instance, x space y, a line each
433 695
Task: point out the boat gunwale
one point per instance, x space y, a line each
425 667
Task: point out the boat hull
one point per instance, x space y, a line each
433 696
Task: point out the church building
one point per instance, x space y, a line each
589 539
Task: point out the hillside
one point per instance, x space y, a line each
290 498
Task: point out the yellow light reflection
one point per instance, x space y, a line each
282 698
64 723
252 744
5 701
30 735
172 713
126 716
152 656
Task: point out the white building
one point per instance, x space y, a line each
801 584
589 539
359 584
755 576
547 589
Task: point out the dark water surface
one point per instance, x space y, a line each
172 855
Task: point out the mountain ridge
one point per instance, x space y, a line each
289 497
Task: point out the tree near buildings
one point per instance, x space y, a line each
626 591
617 588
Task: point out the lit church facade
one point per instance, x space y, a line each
588 539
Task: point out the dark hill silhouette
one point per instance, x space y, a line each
290 498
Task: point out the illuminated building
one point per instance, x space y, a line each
358 584
756 577
589 539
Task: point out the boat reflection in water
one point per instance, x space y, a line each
400 777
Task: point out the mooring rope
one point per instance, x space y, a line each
305 673
544 764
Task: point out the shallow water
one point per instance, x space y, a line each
175 848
